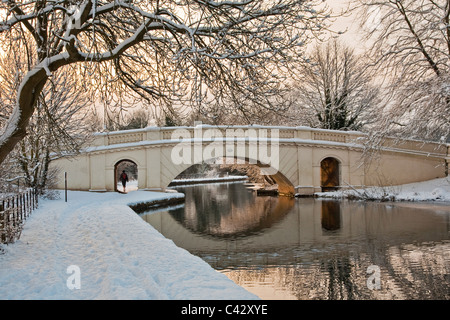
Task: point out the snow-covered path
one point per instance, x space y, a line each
119 256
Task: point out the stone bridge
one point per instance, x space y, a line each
301 160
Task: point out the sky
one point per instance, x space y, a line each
348 23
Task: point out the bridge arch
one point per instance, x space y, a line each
129 166
285 186
330 173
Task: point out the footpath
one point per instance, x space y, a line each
94 246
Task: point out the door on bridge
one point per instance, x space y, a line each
329 174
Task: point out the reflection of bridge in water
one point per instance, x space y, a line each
305 224
229 214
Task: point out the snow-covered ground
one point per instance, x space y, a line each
96 243
131 185
433 190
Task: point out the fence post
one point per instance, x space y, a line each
2 222
28 202
21 206
14 216
30 208
65 186
25 200
13 211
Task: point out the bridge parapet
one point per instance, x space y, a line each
327 136
126 138
171 133
174 133
295 134
424 147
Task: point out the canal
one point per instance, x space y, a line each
307 248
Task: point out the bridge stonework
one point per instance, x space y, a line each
294 157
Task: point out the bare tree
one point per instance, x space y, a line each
158 49
136 119
55 129
411 49
335 90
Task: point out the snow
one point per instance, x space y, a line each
432 190
200 125
131 185
118 255
210 179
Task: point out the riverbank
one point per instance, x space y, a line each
98 238
432 190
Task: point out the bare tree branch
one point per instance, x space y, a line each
411 50
234 48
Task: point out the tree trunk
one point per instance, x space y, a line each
15 129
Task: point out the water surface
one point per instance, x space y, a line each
282 248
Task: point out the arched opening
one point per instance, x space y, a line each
129 182
223 167
329 174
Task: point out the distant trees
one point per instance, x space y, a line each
335 90
411 49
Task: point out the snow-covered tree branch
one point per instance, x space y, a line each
158 48
56 127
411 49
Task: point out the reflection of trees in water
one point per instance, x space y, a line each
336 279
419 269
229 210
414 273
340 285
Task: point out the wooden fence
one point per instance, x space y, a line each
14 210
